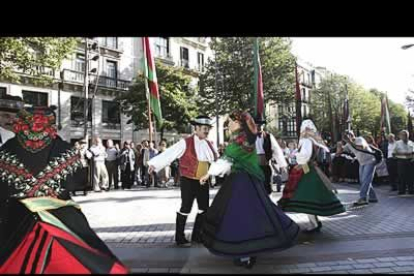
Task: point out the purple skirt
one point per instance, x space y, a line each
243 221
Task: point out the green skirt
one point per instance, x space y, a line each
311 196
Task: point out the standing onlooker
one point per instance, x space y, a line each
324 161
291 157
127 157
392 163
164 174
403 151
381 171
144 167
111 163
138 164
9 106
100 173
367 164
80 179
152 152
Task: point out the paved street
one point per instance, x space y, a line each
139 226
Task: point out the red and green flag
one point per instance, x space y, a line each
385 117
298 99
258 84
151 78
410 125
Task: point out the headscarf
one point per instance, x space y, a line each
308 131
35 128
246 137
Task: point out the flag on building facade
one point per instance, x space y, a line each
151 79
298 98
258 84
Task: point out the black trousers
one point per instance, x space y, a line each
192 189
404 175
392 168
127 177
268 178
112 168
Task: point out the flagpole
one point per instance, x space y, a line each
147 91
349 111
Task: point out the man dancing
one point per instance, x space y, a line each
268 148
195 154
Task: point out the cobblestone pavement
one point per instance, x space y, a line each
377 238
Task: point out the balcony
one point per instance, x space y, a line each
185 63
166 59
111 125
77 77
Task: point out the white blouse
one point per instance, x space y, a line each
202 149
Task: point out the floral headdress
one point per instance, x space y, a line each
35 128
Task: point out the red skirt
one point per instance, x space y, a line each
48 249
292 184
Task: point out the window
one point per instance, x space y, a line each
110 42
111 113
3 91
304 95
200 61
35 98
111 71
76 110
80 63
288 126
162 48
184 57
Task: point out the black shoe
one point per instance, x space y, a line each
373 201
250 263
411 192
401 193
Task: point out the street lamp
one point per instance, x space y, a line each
405 47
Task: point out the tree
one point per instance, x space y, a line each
365 107
177 97
30 54
233 65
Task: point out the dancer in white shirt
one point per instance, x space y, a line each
195 154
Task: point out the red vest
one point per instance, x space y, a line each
189 160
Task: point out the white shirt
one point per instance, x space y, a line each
5 135
202 149
402 147
99 153
363 158
391 147
277 152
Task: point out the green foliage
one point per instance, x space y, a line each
31 54
177 98
365 106
234 64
